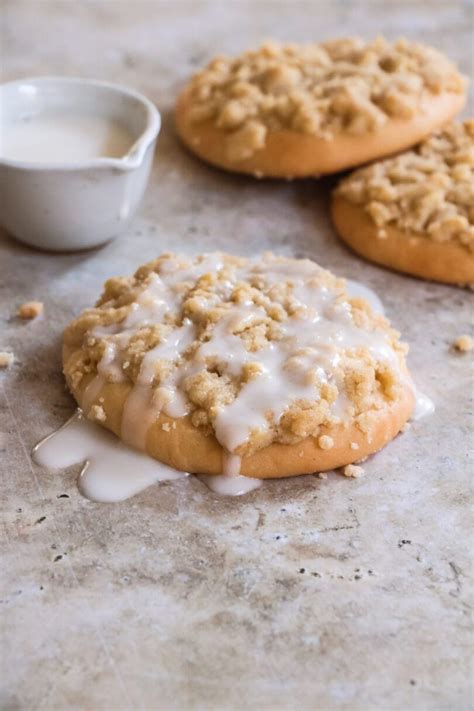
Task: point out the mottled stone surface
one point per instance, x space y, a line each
306 594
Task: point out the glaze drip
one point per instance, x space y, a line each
112 471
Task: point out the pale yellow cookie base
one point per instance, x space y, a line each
187 448
288 154
413 254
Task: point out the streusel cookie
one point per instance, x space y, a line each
218 364
288 110
415 212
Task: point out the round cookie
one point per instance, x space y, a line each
289 111
414 213
218 364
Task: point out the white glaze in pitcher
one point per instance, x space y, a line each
82 188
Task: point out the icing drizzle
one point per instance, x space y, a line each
113 472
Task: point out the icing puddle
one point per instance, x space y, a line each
423 406
113 471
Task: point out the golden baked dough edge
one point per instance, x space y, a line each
288 154
187 448
413 254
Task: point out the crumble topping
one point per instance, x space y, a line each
254 351
344 85
428 190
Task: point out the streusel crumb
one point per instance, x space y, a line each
97 412
6 359
345 85
30 310
427 191
326 442
354 471
464 344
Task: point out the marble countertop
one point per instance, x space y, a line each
308 593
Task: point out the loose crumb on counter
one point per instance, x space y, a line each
351 470
30 310
322 475
463 344
6 359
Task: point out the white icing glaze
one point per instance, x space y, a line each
92 391
63 136
423 405
232 463
112 471
230 485
323 326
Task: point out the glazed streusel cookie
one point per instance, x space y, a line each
218 364
288 110
415 212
